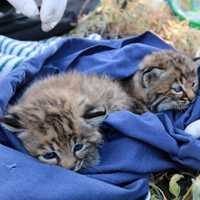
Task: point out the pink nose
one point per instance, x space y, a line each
190 94
68 163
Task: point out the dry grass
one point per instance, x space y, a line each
121 18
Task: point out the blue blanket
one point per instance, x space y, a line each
136 145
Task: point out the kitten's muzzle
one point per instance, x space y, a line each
190 95
68 162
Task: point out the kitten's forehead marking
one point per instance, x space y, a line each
168 57
179 63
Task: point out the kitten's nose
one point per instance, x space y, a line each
68 163
190 94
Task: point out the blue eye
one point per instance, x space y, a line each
78 147
50 155
177 88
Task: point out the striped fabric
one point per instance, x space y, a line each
14 52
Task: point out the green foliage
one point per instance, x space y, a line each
174 187
156 192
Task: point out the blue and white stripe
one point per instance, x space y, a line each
14 52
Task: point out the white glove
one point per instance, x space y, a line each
51 11
194 129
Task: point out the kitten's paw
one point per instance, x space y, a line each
194 129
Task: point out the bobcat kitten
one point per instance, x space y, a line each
57 119
166 80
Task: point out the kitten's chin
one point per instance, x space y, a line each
166 107
182 107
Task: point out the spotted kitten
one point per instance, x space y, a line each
58 118
166 80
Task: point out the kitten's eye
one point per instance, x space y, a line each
77 147
177 88
193 84
50 155
94 112
94 115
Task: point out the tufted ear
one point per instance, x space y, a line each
11 122
151 75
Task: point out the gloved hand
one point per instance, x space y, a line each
51 11
194 129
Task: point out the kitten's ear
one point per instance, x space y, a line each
94 115
11 122
151 75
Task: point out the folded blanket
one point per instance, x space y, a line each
136 145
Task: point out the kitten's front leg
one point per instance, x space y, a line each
194 129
